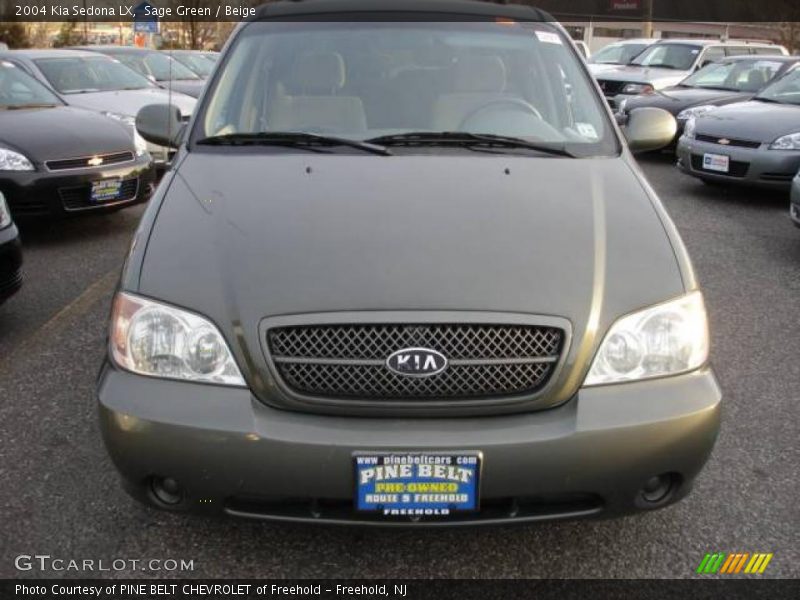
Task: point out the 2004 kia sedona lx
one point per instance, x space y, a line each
405 270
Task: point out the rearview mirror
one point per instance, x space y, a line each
160 124
649 129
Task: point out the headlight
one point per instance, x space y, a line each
14 161
695 111
5 214
138 141
150 338
637 88
786 142
688 129
665 339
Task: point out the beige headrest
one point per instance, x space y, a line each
480 74
317 73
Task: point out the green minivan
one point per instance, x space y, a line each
405 270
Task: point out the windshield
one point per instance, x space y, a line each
786 90
617 54
18 89
736 76
370 79
160 66
198 63
668 56
89 74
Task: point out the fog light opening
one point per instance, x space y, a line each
658 488
167 490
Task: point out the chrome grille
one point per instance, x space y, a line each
348 361
715 139
85 162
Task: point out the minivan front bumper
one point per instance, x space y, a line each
232 454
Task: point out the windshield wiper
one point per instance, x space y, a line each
81 91
291 139
765 99
26 106
465 139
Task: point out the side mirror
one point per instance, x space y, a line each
650 129
160 124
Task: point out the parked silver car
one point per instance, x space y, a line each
753 143
668 62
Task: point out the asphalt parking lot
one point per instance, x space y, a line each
60 495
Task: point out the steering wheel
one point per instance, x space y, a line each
517 103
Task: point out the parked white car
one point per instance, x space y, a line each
618 53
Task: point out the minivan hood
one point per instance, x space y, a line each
657 77
128 102
754 120
241 237
62 132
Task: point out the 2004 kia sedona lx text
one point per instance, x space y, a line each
405 270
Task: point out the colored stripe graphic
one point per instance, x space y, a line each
733 563
758 563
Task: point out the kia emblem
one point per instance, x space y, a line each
416 362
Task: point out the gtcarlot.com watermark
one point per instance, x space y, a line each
46 562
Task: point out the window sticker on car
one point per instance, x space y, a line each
548 37
587 130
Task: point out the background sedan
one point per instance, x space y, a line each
58 160
157 66
96 82
755 142
199 62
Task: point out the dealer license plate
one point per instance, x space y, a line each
716 162
105 190
417 484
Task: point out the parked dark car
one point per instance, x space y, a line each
10 253
405 270
728 81
750 143
59 160
99 83
670 61
158 66
198 61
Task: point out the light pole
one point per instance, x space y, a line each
647 23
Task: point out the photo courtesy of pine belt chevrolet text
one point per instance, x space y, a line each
404 270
